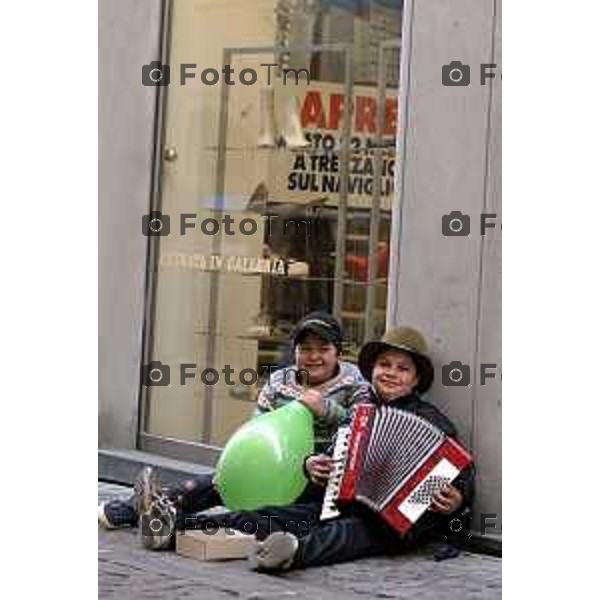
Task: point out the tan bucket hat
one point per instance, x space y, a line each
406 339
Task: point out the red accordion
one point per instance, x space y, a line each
392 461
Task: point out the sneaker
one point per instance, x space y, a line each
157 512
158 525
146 489
275 553
117 513
125 513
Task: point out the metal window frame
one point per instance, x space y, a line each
204 452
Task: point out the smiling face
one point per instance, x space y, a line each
318 357
394 375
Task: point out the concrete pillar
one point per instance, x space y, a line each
450 160
129 36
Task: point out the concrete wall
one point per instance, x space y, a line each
450 159
129 36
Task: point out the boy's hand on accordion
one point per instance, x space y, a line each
319 468
446 500
313 399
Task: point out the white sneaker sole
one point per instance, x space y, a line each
102 520
275 553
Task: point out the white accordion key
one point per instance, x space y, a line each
340 450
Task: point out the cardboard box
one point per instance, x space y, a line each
224 544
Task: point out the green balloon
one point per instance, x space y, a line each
261 464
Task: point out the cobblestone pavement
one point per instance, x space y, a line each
127 571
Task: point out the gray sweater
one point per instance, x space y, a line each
340 393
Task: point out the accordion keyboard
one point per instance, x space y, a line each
340 452
399 443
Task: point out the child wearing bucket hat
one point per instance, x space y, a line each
400 370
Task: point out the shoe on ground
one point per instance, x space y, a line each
147 489
157 530
157 512
275 553
116 514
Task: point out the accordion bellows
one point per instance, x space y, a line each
393 462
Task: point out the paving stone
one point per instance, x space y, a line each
126 571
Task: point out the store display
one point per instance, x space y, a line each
267 135
280 126
281 150
292 129
358 266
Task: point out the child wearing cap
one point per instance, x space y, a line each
318 379
330 386
399 370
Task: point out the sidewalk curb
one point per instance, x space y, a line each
122 467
